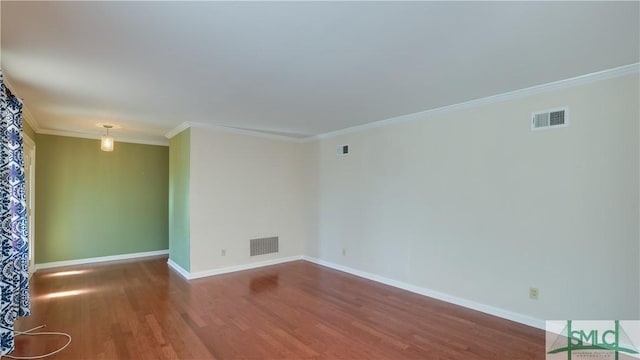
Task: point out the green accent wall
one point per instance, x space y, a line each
91 203
179 181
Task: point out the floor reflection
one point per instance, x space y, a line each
61 294
65 273
264 283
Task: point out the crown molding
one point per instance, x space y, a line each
30 119
231 130
160 142
26 114
28 140
178 129
517 94
254 133
512 95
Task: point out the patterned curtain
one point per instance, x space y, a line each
14 276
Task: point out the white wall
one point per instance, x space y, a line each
244 187
474 204
469 203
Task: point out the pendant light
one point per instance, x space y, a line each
107 141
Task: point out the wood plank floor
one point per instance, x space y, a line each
299 310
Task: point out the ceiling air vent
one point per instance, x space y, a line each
549 119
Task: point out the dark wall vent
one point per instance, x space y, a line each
343 150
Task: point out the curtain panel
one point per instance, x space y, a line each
14 275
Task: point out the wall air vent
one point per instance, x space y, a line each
549 119
343 150
263 246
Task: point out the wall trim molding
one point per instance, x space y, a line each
516 94
512 95
28 140
178 129
28 117
229 269
26 114
505 314
501 313
56 264
179 269
231 130
160 142
247 132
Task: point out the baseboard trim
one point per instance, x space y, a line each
179 269
56 264
230 269
505 314
200 274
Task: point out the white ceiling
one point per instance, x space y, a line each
293 68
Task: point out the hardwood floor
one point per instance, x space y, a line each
299 310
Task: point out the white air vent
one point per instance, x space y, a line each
549 119
343 150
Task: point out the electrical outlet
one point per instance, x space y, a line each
223 252
344 252
533 293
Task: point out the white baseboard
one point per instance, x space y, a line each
200 274
56 264
179 269
505 314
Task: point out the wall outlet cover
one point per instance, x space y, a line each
533 293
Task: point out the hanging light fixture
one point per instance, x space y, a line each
107 141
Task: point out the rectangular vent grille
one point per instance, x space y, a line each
549 119
343 150
263 246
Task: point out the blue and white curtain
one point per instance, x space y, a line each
14 276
